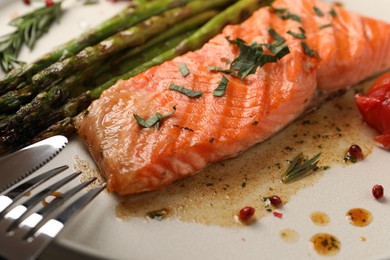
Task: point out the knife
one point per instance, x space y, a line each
17 165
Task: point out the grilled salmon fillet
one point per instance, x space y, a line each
342 49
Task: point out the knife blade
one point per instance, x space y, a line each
18 165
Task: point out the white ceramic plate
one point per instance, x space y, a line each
98 232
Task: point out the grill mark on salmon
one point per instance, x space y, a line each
135 159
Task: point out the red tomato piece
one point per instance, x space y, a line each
374 107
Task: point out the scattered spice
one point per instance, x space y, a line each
276 201
277 214
354 153
49 2
246 213
377 191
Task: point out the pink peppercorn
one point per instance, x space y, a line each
246 213
377 191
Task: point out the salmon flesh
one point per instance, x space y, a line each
340 49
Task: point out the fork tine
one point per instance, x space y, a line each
36 220
26 234
20 212
8 199
34 245
54 226
79 204
14 247
19 248
67 195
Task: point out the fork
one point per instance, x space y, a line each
27 229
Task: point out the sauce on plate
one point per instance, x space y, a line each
319 218
289 235
359 217
325 244
215 195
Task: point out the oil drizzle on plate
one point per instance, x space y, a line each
216 194
319 218
359 217
325 244
289 235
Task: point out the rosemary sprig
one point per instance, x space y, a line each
300 167
29 28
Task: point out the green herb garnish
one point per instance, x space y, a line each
309 51
252 56
29 28
300 167
90 2
184 69
154 120
318 11
279 39
300 35
227 71
158 214
325 26
333 13
221 88
185 91
278 50
284 14
247 61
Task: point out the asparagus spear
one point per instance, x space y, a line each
128 17
48 104
186 25
233 14
42 105
19 129
133 36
